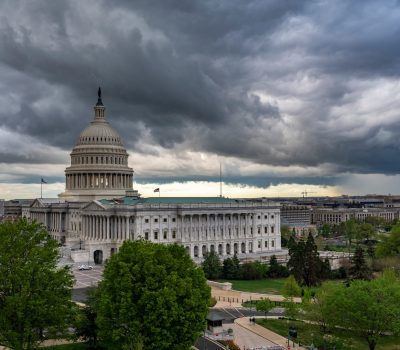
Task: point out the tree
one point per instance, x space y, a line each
35 295
212 265
285 235
369 308
291 308
231 268
389 245
85 322
291 288
275 269
350 230
254 270
359 269
312 263
152 295
304 262
320 309
295 263
264 305
365 231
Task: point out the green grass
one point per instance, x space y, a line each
343 339
270 286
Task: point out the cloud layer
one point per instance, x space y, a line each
277 89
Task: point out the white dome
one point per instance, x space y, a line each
99 132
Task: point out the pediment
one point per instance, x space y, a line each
94 206
37 203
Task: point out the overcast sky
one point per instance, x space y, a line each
287 95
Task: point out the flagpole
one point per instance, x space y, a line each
159 193
41 189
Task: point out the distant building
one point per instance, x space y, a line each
99 210
320 216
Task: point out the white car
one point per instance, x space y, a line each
85 267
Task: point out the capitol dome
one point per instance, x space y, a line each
99 162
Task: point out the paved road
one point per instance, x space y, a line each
230 314
205 344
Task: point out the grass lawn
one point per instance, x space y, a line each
343 339
270 286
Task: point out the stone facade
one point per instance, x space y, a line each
99 210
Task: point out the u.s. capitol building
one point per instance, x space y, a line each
99 209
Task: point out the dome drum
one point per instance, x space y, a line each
99 163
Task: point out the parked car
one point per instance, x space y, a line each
85 267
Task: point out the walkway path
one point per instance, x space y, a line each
266 333
234 298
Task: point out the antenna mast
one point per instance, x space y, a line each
220 180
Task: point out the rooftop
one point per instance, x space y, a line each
168 200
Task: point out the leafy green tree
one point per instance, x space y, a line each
312 263
264 305
350 230
285 235
35 295
152 295
292 309
390 244
304 262
365 231
320 309
291 288
369 308
231 268
85 322
296 259
212 265
275 269
325 230
359 269
253 270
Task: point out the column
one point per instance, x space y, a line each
127 228
108 228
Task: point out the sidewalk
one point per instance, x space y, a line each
234 298
266 333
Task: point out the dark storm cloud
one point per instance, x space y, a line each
278 83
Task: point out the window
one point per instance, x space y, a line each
165 220
272 229
146 221
251 230
266 229
258 230
155 235
272 244
266 244
146 236
258 217
272 216
156 220
165 234
173 219
174 234
259 244
265 216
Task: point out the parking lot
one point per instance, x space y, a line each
87 278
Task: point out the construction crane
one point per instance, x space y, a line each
305 193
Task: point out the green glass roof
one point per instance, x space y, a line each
168 200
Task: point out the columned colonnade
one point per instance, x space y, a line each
106 228
98 180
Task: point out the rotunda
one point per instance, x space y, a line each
99 162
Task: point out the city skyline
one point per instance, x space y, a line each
287 96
